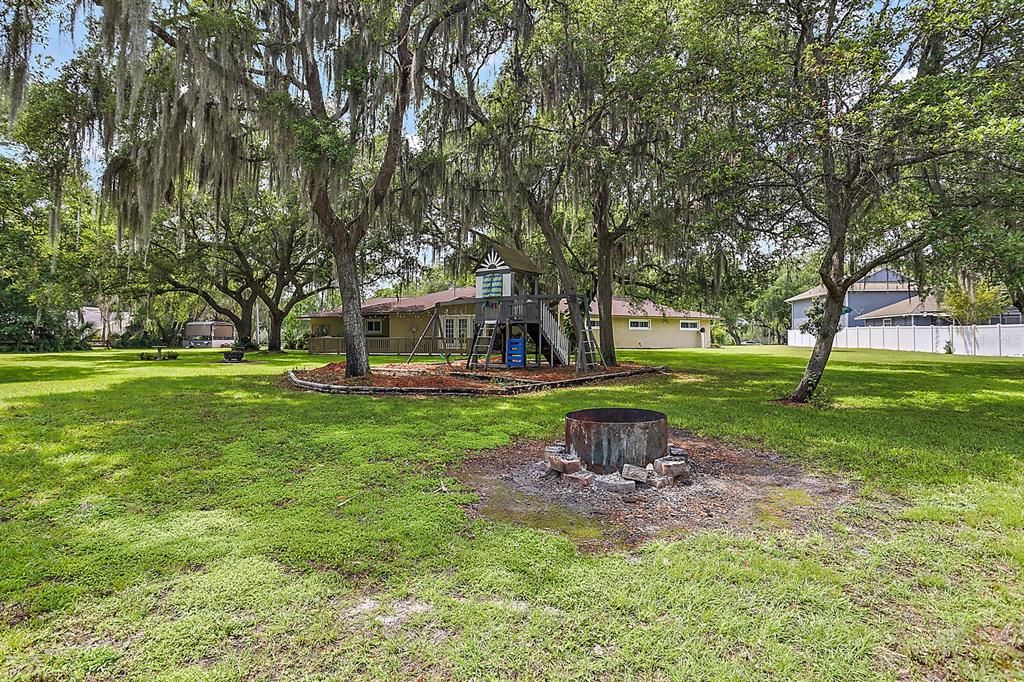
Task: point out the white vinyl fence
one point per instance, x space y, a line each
1005 340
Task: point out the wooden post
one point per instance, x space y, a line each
540 333
581 357
438 328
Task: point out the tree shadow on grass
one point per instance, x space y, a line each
105 487
13 374
899 419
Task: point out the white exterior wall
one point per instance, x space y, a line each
1005 340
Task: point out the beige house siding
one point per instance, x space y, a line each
407 324
664 333
325 326
396 324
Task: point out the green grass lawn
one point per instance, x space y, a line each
194 520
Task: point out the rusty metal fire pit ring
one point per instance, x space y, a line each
606 438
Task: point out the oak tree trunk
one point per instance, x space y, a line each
605 246
832 311
243 325
604 299
274 331
357 357
1017 296
568 284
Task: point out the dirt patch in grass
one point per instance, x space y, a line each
12 614
733 488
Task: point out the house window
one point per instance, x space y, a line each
640 325
374 326
491 284
595 324
688 324
886 321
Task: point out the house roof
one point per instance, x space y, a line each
514 258
819 291
624 307
409 304
915 305
621 307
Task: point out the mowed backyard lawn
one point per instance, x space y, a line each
194 520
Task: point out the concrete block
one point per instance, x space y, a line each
615 483
563 463
634 473
580 479
658 481
671 466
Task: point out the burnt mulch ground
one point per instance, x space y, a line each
734 488
456 377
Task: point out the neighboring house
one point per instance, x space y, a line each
886 298
911 312
925 312
393 324
881 288
644 324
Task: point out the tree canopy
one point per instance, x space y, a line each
701 152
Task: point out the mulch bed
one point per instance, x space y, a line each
454 379
386 377
734 488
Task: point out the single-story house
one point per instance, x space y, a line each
644 324
394 323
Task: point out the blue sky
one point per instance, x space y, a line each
57 46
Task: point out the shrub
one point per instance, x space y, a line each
719 337
140 339
23 329
296 341
822 398
165 355
974 301
812 325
